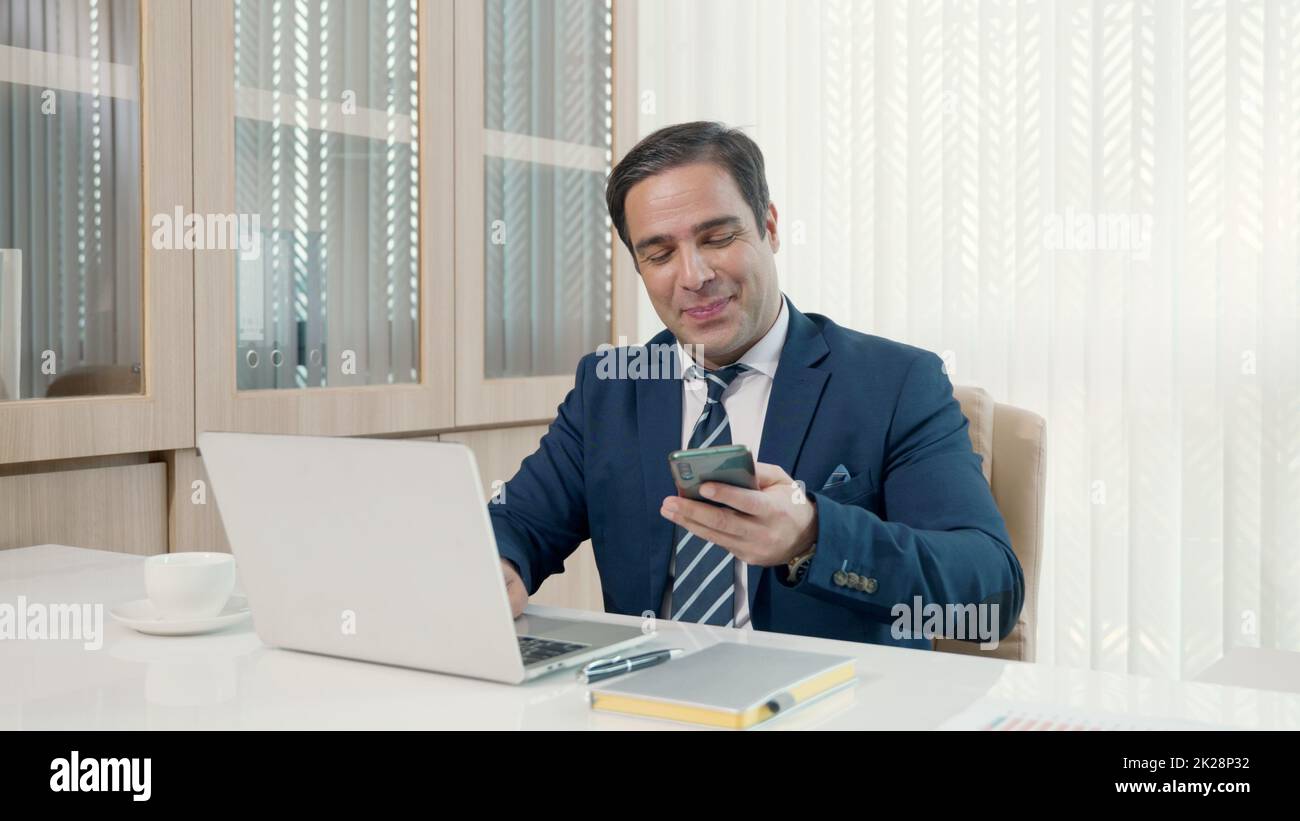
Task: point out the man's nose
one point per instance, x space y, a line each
695 271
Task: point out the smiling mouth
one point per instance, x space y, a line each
707 311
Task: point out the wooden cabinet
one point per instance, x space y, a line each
153 408
544 105
388 220
338 139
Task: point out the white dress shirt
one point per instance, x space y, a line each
745 401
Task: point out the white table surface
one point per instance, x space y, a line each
230 680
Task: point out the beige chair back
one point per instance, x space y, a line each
1011 442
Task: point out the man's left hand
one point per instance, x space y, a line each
767 527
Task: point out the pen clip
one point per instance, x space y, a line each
599 665
592 666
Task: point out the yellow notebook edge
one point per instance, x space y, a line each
800 693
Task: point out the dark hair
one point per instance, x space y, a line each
683 144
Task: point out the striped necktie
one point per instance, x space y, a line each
704 579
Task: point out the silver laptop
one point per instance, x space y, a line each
382 550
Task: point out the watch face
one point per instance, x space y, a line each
799 566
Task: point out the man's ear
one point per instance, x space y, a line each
774 239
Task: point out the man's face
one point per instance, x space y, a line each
710 276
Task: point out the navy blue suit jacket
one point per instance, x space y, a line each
916 514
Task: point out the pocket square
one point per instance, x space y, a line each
838 476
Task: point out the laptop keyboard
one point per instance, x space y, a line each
534 649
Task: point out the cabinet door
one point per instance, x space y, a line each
324 143
96 306
535 141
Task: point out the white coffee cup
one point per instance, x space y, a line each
189 585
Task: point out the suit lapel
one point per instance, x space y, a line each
796 391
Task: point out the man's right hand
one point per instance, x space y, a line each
514 588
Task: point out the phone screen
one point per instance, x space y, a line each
728 464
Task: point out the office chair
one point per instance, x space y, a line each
1011 441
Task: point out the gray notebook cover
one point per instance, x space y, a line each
726 676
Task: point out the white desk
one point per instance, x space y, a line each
230 680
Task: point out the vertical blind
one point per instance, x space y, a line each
1089 208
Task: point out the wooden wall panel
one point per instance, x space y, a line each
194 522
121 508
499 452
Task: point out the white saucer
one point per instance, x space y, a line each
140 615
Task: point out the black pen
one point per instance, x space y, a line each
607 668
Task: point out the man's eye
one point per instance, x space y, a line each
718 242
659 260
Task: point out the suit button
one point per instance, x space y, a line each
840 578
869 585
853 580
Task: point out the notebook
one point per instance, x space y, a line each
728 685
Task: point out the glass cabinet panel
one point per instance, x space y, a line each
327 174
71 235
548 124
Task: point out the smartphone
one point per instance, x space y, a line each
729 464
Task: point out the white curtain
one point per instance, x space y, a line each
1089 208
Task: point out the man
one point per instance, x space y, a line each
889 504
